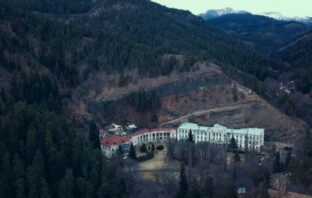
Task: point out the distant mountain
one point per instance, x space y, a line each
214 13
210 14
307 21
260 32
279 16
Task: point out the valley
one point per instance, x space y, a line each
85 84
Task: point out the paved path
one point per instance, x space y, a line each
203 112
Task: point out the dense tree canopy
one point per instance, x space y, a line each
41 154
140 36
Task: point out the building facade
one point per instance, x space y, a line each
111 144
152 135
246 139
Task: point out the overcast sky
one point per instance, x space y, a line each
290 8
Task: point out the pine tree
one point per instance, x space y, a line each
234 93
190 137
66 185
233 145
19 174
143 148
154 118
229 191
277 163
303 163
81 185
5 177
208 187
264 190
35 177
132 152
237 157
287 160
183 183
31 143
195 193
307 146
94 135
20 185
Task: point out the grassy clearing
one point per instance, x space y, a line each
159 165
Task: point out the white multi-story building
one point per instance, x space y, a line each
253 137
247 138
152 135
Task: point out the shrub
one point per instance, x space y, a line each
148 156
160 147
143 148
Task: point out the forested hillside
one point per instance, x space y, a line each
56 6
119 36
41 153
49 49
285 41
298 53
91 41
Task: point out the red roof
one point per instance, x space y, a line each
118 140
114 140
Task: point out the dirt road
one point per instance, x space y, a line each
207 111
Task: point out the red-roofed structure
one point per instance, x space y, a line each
110 144
114 140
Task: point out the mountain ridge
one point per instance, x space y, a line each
264 33
214 13
116 42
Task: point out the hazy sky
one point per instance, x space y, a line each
289 8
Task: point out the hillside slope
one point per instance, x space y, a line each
119 36
205 96
297 51
299 54
97 57
286 42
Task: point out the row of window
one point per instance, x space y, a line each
184 133
154 136
205 138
